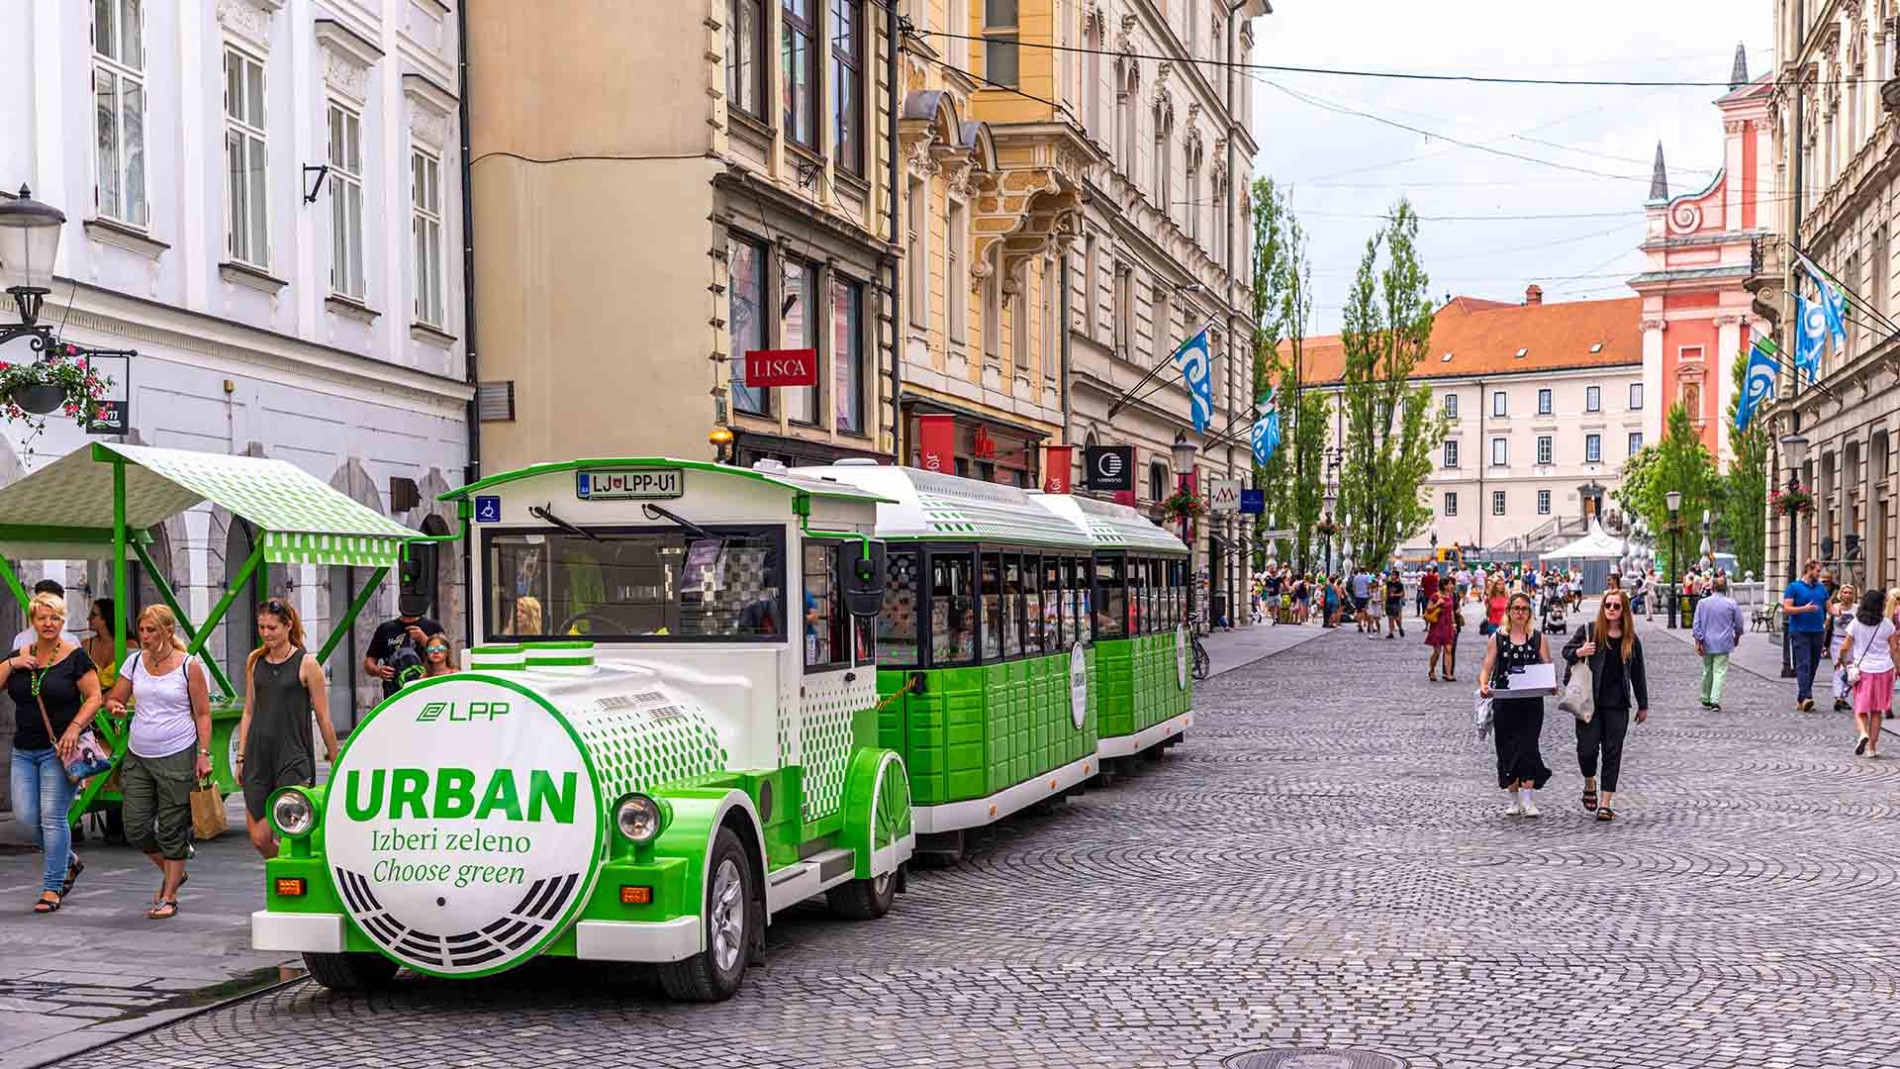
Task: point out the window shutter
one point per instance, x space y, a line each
495 401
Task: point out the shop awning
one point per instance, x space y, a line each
65 510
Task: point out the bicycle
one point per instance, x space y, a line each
1203 665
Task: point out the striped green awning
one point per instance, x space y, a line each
303 520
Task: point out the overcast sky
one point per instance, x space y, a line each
1346 170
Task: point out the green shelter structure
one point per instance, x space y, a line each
101 502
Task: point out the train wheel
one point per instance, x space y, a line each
863 900
730 918
354 971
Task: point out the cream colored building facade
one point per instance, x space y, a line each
1837 154
653 197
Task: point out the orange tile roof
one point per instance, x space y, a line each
1483 338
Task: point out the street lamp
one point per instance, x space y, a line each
1674 500
1794 449
1183 451
29 243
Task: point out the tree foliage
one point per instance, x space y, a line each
1743 516
1282 312
1679 462
1391 428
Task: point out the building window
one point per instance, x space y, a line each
1543 449
1543 502
847 353
247 222
1000 60
1497 502
346 203
1636 442
1498 405
1593 449
1500 452
1164 162
801 317
847 66
1051 333
745 303
954 259
1157 481
1451 406
426 228
1124 312
1543 401
1451 452
1593 398
1636 397
917 254
118 91
1019 324
745 57
993 309
797 83
1091 270
1451 502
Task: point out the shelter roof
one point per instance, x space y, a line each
805 483
1595 544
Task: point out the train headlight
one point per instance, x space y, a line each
292 811
639 818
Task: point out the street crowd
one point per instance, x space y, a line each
1603 682
60 684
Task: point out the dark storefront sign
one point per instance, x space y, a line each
1109 468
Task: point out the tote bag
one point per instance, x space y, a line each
208 817
1579 698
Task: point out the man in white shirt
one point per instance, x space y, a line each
28 636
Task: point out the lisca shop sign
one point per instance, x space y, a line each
780 367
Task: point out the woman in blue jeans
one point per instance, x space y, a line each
55 692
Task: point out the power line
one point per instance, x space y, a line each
1417 76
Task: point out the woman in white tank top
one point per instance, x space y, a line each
169 749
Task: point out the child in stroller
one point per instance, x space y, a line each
1554 623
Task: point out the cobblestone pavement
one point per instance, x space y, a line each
1322 864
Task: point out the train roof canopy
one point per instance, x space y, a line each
930 505
803 481
1111 526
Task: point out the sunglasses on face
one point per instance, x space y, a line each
438 649
276 607
1609 605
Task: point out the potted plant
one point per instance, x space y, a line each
1795 500
59 382
1183 505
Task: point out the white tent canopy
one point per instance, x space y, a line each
1596 544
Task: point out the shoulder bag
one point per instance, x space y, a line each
1853 670
91 757
1579 698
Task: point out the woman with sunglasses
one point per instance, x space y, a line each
283 689
1517 723
1616 665
438 657
1841 609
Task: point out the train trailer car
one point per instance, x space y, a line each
1023 640
669 735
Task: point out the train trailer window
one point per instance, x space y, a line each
638 585
1012 606
952 609
992 581
1054 596
897 620
1111 598
827 629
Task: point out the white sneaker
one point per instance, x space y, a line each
1531 810
1514 809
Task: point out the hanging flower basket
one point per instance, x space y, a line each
1184 505
57 383
1797 500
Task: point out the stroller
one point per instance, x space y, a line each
1554 622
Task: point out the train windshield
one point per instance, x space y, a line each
637 585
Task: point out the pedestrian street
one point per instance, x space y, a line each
1324 863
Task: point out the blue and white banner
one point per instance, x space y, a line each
1758 384
1811 336
1266 436
1197 368
1833 301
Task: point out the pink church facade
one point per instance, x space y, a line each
1696 317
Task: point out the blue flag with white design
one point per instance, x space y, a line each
1266 436
1833 302
1196 366
1757 385
1811 333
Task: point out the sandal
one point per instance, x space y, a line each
1431 677
47 905
1590 799
1605 815
164 911
72 876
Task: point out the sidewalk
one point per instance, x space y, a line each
98 969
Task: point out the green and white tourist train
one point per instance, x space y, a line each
705 694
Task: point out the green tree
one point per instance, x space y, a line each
1391 428
1680 462
1282 312
1743 515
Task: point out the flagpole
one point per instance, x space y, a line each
1128 395
1796 371
1859 304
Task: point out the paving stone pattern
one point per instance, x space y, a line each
1323 864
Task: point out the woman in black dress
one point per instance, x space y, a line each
1516 722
